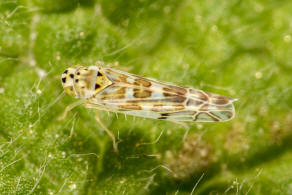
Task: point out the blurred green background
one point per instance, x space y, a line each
236 48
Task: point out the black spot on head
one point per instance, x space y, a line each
64 80
78 73
99 74
163 117
72 76
66 71
97 86
76 80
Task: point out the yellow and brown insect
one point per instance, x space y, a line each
117 91
113 90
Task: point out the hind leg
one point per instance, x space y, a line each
115 146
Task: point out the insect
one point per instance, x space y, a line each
113 90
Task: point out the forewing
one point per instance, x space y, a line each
211 107
139 96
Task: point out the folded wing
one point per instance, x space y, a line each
139 96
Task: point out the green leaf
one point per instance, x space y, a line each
234 48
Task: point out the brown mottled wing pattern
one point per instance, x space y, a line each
139 96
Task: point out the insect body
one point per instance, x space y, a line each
117 91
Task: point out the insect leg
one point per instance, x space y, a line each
115 146
69 108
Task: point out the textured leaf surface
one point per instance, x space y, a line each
236 48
